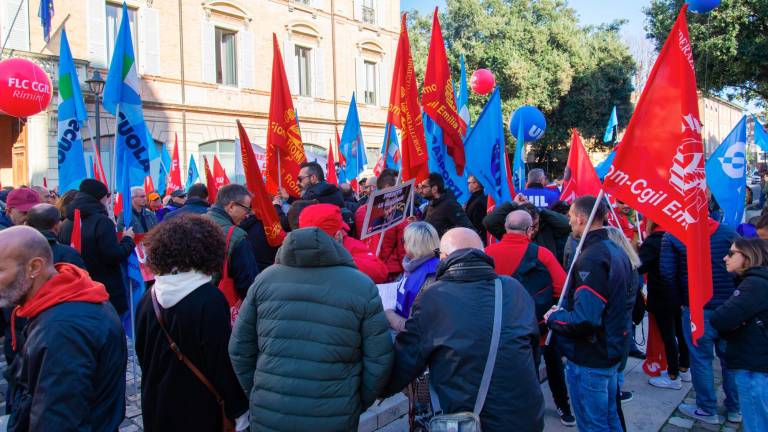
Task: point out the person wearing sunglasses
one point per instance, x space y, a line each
233 205
743 323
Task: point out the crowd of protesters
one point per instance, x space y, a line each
308 345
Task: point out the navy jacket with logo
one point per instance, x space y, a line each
594 325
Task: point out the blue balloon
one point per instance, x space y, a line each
534 123
702 6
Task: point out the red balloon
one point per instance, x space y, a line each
25 88
482 81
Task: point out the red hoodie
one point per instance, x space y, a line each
365 260
70 284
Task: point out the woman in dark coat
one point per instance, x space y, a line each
743 323
664 304
197 318
101 250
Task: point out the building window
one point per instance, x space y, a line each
369 12
370 83
226 57
305 2
114 16
224 150
304 62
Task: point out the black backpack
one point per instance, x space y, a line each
535 278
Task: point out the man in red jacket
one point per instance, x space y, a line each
543 277
328 218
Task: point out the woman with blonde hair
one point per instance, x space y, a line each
743 322
420 264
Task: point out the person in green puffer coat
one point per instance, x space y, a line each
311 346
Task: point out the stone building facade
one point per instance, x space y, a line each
205 63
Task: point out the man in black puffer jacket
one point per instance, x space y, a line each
314 187
449 332
101 251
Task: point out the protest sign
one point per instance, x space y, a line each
387 208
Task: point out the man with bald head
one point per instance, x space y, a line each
449 332
543 277
69 372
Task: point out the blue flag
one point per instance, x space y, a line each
442 163
462 101
393 160
603 167
726 174
761 136
45 12
351 145
611 132
132 140
486 154
163 170
91 174
518 167
71 116
192 174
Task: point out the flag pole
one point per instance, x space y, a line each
639 232
576 256
279 172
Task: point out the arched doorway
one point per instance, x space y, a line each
13 151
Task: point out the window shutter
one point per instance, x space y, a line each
379 88
291 66
381 15
18 38
359 10
245 59
360 79
149 41
96 31
208 36
319 83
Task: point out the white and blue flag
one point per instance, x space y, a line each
726 173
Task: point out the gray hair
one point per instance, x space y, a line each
136 189
617 236
536 175
421 239
231 193
518 220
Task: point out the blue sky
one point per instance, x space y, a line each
589 11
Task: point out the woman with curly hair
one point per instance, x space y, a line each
179 390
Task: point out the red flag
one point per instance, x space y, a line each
45 182
98 171
261 204
210 182
659 167
149 185
174 178
284 147
438 97
655 355
580 176
405 112
76 239
118 204
330 166
219 175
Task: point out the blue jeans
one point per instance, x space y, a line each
753 396
702 374
593 396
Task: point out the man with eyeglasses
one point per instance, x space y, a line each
233 205
543 277
142 219
313 185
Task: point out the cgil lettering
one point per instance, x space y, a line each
26 84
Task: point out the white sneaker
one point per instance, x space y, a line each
664 381
734 417
685 376
694 412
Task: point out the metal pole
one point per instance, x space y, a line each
576 256
97 143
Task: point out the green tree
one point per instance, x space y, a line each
540 56
729 45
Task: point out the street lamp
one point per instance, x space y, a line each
96 84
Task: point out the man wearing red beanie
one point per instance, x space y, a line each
327 217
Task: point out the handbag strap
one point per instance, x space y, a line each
491 361
180 355
225 271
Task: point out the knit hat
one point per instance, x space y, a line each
327 217
22 199
94 188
